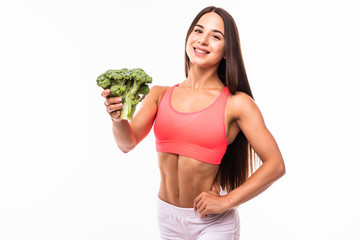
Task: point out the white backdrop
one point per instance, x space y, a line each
61 174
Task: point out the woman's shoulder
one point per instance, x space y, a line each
157 92
240 98
160 88
241 103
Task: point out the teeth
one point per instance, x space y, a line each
199 51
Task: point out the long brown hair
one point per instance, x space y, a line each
238 163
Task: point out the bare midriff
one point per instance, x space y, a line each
184 178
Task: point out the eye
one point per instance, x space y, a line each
217 37
198 30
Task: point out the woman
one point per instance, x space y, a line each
207 129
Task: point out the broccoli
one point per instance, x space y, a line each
127 84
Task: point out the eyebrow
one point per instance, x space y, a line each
214 30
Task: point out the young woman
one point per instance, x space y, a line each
207 129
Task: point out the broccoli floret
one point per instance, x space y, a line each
103 81
128 84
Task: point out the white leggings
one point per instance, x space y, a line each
185 223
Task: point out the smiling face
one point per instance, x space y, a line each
205 46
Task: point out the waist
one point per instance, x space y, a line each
183 178
168 208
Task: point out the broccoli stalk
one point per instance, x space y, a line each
127 84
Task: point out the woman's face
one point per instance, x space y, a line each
205 46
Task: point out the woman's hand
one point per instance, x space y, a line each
113 105
210 202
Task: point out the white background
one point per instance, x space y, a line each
61 174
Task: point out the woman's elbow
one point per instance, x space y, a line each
281 168
126 149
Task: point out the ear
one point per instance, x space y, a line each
224 57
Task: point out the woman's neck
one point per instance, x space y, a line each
199 78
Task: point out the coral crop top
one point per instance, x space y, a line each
199 135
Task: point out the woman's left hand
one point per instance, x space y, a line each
210 202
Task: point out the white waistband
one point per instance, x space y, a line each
179 211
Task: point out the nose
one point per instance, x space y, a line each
203 40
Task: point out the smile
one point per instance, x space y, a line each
200 51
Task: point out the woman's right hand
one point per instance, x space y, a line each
113 105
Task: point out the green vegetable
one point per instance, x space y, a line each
127 84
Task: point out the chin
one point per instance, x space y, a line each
204 64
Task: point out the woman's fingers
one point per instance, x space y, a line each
112 100
113 104
201 207
115 114
105 93
114 107
198 201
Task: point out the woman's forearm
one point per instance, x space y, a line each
124 136
266 175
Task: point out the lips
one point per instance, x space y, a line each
201 50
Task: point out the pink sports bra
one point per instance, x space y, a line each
199 135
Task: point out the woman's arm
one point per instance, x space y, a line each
128 134
250 120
